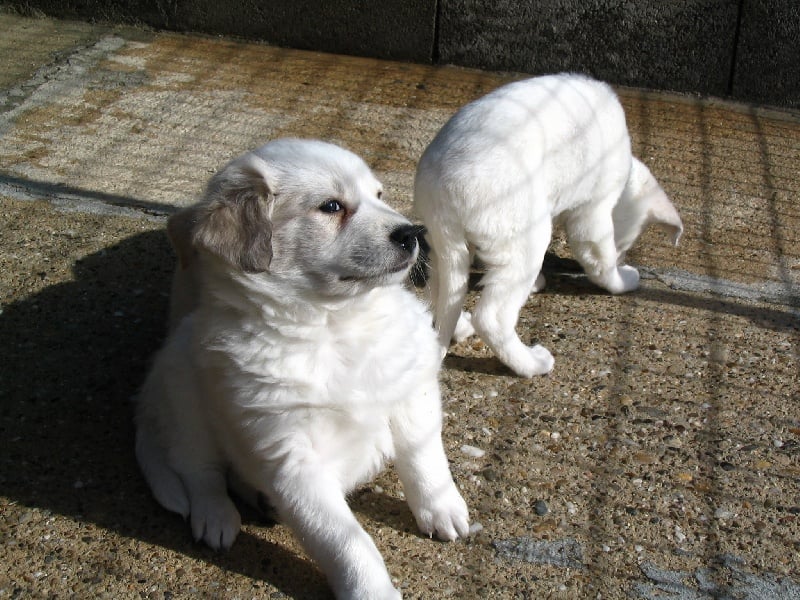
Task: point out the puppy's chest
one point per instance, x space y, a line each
340 362
355 360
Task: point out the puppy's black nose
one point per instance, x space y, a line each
405 236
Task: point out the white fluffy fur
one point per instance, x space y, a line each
301 374
497 177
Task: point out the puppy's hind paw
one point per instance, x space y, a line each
464 327
619 280
630 278
216 521
446 516
539 285
543 359
534 360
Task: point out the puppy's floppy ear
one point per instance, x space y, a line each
235 223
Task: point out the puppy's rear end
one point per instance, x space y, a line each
501 172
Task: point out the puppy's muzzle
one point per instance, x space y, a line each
406 236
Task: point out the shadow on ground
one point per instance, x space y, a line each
75 355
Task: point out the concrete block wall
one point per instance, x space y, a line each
741 49
684 44
767 65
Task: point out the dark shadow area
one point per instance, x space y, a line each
43 189
388 510
74 356
489 365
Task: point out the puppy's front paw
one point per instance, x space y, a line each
446 516
215 520
464 327
385 593
389 594
374 584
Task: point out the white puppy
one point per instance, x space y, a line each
497 177
297 363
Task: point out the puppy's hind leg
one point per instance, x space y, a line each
591 239
508 282
178 456
152 441
196 492
183 484
450 276
214 517
164 482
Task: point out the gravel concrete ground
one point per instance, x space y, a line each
660 459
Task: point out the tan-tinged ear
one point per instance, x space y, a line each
180 231
662 213
235 223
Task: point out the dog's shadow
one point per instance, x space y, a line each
75 355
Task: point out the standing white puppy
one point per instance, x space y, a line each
497 177
297 362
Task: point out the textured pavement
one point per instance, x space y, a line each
661 458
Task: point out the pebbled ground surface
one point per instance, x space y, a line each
660 459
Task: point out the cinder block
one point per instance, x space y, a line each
681 45
767 66
392 30
685 46
136 12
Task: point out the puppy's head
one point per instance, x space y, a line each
303 211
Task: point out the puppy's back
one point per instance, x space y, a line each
558 139
533 117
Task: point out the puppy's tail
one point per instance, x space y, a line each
164 482
643 202
661 211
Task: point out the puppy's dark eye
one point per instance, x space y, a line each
380 193
331 206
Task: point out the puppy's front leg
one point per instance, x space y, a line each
423 469
313 504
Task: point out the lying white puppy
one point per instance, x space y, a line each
297 363
497 177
